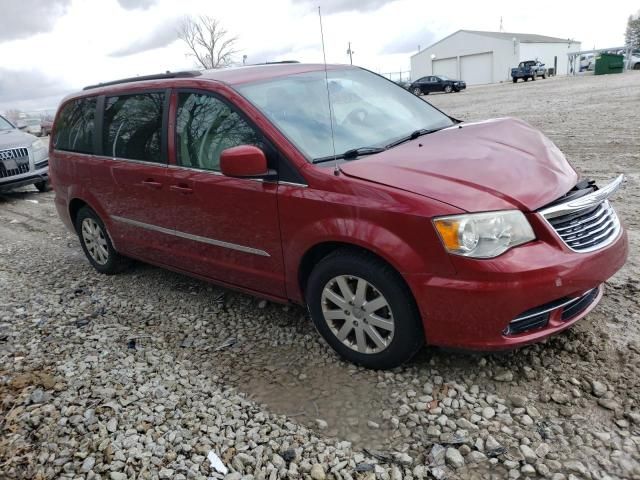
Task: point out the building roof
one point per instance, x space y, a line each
521 37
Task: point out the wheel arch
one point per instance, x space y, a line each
321 250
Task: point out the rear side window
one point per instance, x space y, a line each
205 127
75 127
133 127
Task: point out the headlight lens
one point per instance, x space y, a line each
37 145
483 235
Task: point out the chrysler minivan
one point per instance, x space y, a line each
394 223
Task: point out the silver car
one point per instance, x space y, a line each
24 159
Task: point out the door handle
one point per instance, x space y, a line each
181 189
151 184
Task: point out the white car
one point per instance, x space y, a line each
33 126
24 160
587 62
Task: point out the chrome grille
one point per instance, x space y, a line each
587 229
588 222
13 162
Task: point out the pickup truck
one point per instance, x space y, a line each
529 69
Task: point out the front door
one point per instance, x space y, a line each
226 228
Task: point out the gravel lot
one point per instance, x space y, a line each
141 375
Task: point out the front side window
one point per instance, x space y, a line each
368 110
133 127
205 127
75 126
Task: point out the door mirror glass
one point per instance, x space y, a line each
243 161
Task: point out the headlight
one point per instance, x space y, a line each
483 235
37 145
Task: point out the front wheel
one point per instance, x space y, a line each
417 91
515 79
544 75
364 310
448 89
42 186
96 243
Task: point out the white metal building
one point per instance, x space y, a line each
487 57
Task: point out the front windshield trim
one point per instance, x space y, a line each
241 89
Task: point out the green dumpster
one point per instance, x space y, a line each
609 63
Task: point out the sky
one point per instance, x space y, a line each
50 48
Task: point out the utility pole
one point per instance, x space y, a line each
350 53
501 29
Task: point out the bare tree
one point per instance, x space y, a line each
208 42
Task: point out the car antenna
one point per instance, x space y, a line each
336 170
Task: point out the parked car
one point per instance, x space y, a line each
587 62
409 227
23 159
403 84
32 126
46 126
436 83
529 69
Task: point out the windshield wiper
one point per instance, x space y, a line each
413 135
351 154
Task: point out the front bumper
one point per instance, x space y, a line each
29 178
473 309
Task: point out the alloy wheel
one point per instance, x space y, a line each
95 241
358 314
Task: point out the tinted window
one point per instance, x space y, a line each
75 127
206 126
133 127
4 124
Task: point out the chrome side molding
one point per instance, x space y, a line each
590 200
189 236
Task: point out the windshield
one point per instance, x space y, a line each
369 111
442 77
4 124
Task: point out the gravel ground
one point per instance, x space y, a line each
141 375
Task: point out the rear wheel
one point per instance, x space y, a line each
364 310
515 79
417 91
96 243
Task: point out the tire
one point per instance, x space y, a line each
636 66
448 89
100 252
526 79
349 267
544 76
42 186
515 79
533 78
417 91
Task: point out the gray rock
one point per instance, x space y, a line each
317 472
504 376
518 400
322 425
118 476
112 425
488 413
88 464
454 458
598 388
528 454
575 466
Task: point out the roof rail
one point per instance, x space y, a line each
275 63
157 76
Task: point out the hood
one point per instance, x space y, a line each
15 138
492 165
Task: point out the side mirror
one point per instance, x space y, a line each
244 161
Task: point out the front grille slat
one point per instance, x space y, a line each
582 224
18 157
587 229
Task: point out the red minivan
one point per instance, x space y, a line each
394 223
